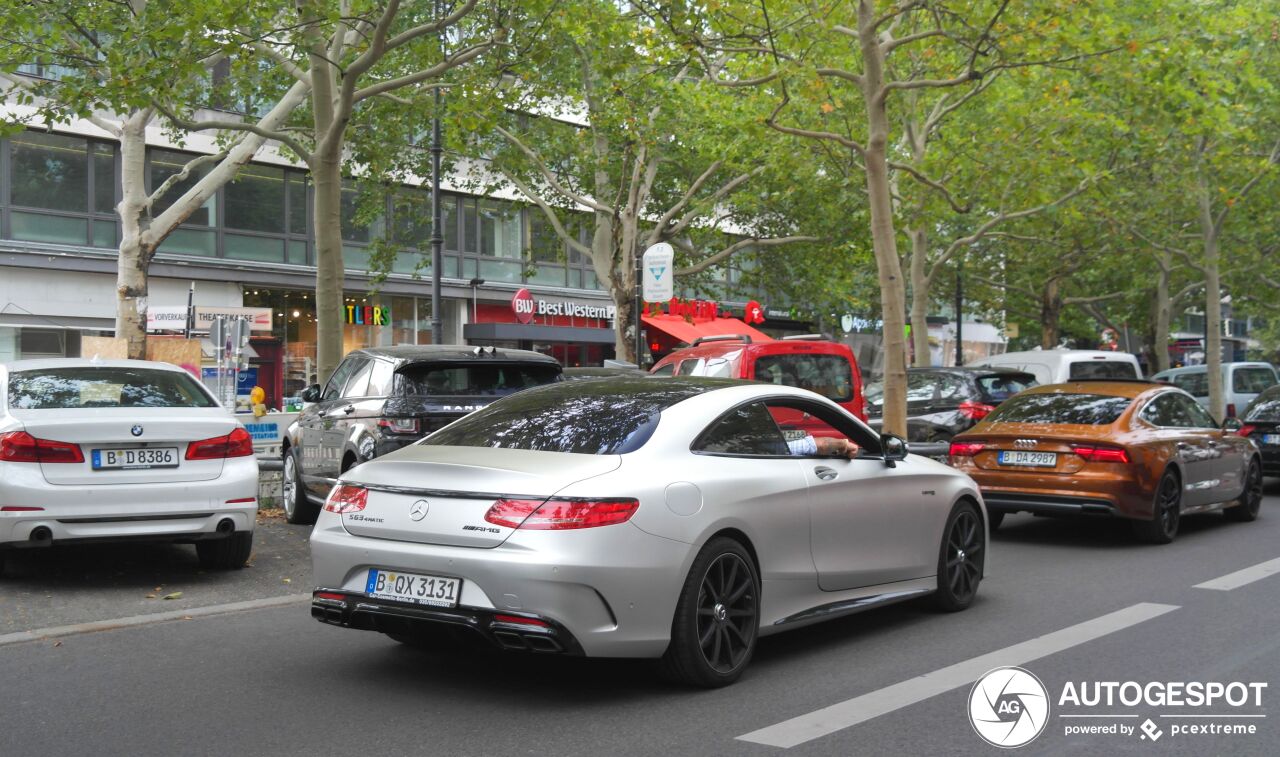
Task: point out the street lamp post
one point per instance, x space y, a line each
475 299
437 223
959 312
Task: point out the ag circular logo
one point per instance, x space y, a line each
523 305
1008 707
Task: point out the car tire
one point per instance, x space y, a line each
228 553
994 519
298 508
961 558
1166 512
1250 502
717 618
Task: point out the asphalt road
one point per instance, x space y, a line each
1075 602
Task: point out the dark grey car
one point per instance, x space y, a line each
383 398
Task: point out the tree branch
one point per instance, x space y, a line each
550 214
738 246
453 61
430 28
182 175
551 177
840 73
674 210
253 128
809 134
923 179
700 207
280 58
1249 185
1093 299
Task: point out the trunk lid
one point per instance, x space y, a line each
111 428
439 495
1038 437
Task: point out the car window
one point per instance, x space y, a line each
666 370
1086 409
611 417
339 378
381 379
1166 411
828 375
1196 384
1265 408
1196 415
718 367
798 418
687 367
1252 380
921 387
358 385
744 430
952 388
102 386
1102 369
485 379
1001 387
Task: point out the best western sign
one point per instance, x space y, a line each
526 306
175 318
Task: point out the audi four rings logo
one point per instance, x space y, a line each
418 510
1008 707
136 430
1025 443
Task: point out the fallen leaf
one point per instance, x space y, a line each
57 643
288 580
174 595
159 588
151 596
186 617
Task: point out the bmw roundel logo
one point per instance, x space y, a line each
136 430
418 510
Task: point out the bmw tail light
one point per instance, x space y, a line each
975 411
238 443
560 514
399 425
346 499
21 447
966 449
1245 430
1096 454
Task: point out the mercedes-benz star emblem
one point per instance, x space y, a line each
136 430
418 510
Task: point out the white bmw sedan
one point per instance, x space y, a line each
678 519
122 450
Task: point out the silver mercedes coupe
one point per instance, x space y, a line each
638 517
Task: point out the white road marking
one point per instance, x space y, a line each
851 712
1243 577
23 637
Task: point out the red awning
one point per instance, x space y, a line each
684 331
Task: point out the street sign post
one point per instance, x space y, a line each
657 273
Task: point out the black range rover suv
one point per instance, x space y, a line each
383 398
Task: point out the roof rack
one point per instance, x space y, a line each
807 338
721 338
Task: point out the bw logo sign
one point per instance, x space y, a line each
1008 707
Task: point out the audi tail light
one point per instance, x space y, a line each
560 513
1245 430
346 499
966 449
1098 454
975 411
21 447
238 443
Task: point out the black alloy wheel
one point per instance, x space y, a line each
713 634
1166 514
1250 502
961 562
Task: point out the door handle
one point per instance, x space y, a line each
1213 442
1182 445
824 473
349 409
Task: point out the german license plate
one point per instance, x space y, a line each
135 459
437 591
1037 459
1271 438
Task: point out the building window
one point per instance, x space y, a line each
62 190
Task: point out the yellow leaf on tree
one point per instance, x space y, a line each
828 107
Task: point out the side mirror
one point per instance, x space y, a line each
895 449
1232 425
311 393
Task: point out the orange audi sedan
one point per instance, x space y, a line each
1146 452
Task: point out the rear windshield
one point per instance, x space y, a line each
1196 384
584 417
1087 409
828 375
91 386
1001 387
1103 369
487 380
1252 380
1265 409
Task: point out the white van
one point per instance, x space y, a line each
1057 366
1241 382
